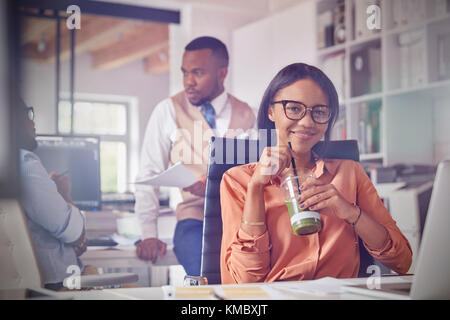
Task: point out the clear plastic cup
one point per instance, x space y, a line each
303 221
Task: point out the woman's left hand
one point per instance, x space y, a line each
317 195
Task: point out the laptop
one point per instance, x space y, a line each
432 275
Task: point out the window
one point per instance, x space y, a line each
109 121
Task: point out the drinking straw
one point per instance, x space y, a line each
295 169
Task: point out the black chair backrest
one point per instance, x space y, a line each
226 153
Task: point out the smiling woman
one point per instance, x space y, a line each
291 74
258 244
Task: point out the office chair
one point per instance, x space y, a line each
226 153
18 262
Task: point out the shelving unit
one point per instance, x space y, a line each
372 71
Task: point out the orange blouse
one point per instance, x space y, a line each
278 254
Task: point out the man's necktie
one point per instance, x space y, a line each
209 113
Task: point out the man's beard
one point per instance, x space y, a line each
200 102
208 98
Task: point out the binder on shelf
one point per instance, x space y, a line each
406 12
404 67
369 127
396 13
365 71
360 19
404 9
339 131
414 11
333 67
444 56
374 58
339 22
325 30
418 61
442 7
329 35
412 58
374 116
359 69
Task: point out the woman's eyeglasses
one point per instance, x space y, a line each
30 113
296 110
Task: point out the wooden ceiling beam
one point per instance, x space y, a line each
157 62
95 33
148 39
35 29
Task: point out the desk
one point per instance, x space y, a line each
157 293
103 223
125 257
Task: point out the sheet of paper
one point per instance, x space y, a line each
215 292
176 176
124 240
243 292
191 293
321 287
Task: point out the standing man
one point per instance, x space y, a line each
171 135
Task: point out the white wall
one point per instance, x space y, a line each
38 90
262 48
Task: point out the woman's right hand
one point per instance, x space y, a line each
272 162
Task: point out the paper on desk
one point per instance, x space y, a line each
176 176
191 293
320 287
125 241
240 292
256 292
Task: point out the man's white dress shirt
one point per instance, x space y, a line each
159 138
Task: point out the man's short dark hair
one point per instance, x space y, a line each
218 48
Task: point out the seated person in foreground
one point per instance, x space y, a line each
258 243
56 225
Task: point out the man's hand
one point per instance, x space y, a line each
148 249
81 248
63 185
80 245
197 188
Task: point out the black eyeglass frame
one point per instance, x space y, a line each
285 102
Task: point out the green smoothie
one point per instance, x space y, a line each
303 222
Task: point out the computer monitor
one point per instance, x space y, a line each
79 158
